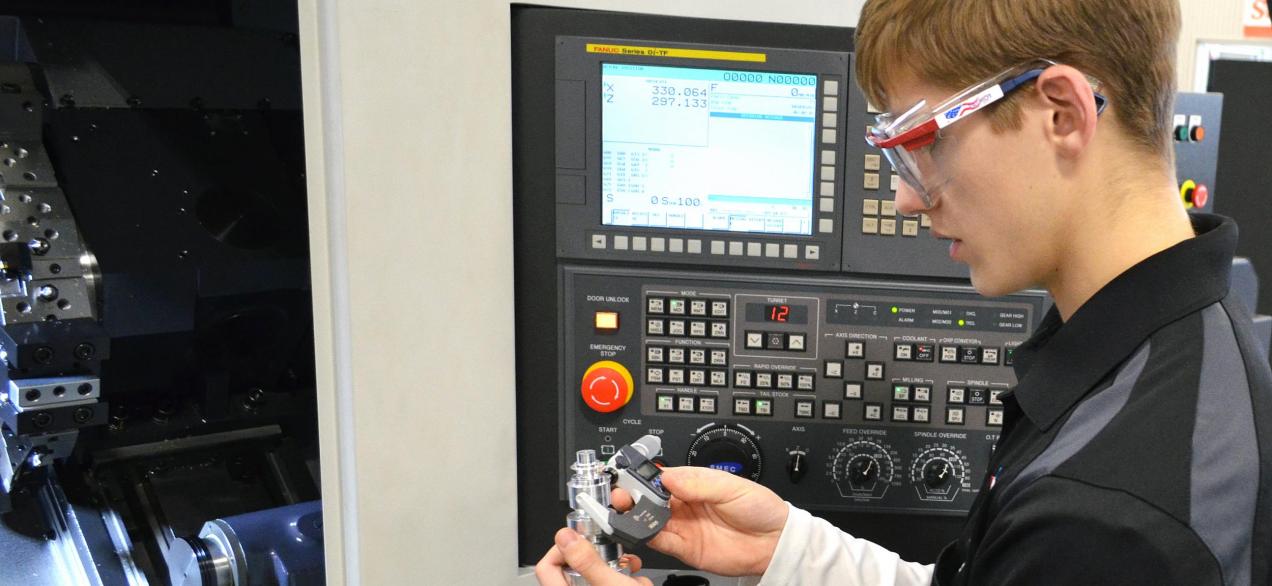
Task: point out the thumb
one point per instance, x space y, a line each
583 558
694 484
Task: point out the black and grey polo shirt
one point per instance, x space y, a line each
1137 446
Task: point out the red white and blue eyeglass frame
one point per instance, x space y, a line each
902 137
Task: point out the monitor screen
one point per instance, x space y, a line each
707 149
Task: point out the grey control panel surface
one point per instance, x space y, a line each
838 394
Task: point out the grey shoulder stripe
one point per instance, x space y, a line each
1088 419
1225 460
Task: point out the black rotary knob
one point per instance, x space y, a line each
937 474
797 466
863 470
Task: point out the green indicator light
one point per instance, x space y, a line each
894 309
961 323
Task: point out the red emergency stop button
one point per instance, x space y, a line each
607 386
1201 196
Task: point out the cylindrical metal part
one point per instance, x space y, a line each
590 477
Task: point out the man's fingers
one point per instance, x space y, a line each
621 500
582 558
695 484
548 570
630 561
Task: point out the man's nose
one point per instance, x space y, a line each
909 203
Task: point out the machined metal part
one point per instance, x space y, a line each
282 545
591 479
43 393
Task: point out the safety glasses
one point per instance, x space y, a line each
906 139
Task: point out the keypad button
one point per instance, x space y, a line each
656 305
900 413
763 380
698 307
676 355
900 392
764 407
904 352
775 341
922 393
949 354
719 309
719 329
785 381
719 378
969 354
795 342
676 376
804 382
994 418
855 350
874 371
698 378
654 375
989 355
675 327
676 306
853 390
742 379
698 329
697 356
977 396
755 340
719 358
741 406
956 395
654 354
832 410
706 405
873 412
834 369
654 327
920 414
687 404
954 415
804 409
665 403
924 352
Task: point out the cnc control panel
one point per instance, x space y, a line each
839 394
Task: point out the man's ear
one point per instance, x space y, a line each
1069 101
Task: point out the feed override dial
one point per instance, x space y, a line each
862 470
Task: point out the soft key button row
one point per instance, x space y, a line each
696 377
657 244
684 404
773 250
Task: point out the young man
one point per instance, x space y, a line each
1137 447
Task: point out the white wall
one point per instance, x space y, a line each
1205 20
408 138
408 132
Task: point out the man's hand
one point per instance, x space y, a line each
577 553
720 523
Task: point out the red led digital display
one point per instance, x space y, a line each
777 313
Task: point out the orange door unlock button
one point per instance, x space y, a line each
607 386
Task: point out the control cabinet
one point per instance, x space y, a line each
840 394
707 251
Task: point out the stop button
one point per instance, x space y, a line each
607 386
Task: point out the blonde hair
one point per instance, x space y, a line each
1129 46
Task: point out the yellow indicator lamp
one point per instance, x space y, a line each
607 321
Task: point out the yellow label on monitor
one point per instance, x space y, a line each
676 53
